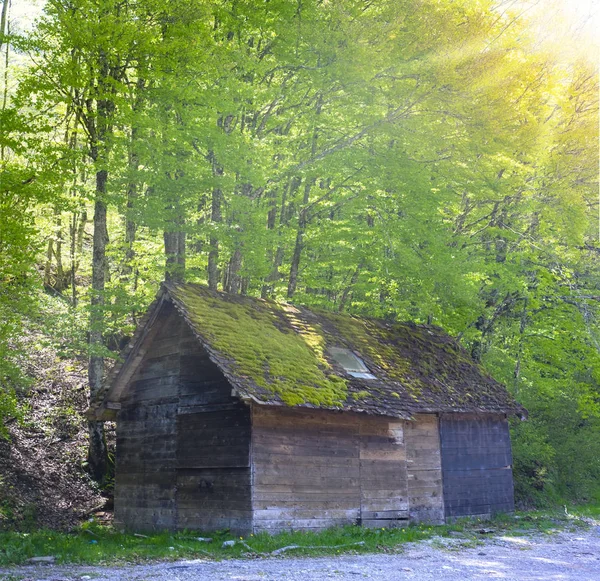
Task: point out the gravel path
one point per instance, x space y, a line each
561 556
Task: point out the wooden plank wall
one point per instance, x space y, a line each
146 434
314 469
477 464
183 441
305 469
383 479
213 447
424 469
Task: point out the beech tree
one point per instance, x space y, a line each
403 160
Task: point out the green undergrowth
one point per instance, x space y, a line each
96 544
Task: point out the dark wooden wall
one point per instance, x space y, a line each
424 467
305 469
476 464
183 441
213 447
145 480
313 469
383 477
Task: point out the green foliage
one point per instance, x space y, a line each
422 162
18 243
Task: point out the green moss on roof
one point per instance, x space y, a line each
257 339
375 344
277 353
408 354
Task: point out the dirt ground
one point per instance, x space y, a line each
557 557
43 483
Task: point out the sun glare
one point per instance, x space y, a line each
571 27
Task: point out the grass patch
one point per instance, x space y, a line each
96 544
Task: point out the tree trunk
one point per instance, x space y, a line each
3 19
4 31
175 252
62 281
130 225
518 362
48 266
299 245
99 125
288 191
348 290
77 231
97 451
295 265
213 253
133 162
277 256
233 282
59 280
303 217
72 255
215 217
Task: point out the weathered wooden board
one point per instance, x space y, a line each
383 514
152 391
303 417
328 466
146 435
477 464
239 522
182 441
300 524
424 469
277 459
316 503
310 478
383 481
213 447
306 469
214 438
213 460
147 519
315 512
276 495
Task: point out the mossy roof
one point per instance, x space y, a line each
277 354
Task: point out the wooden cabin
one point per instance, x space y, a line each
250 415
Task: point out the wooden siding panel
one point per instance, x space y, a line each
182 440
314 469
424 469
305 469
477 465
214 498
213 447
383 476
146 435
213 475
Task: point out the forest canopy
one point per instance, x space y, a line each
410 160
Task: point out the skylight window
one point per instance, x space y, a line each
353 365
